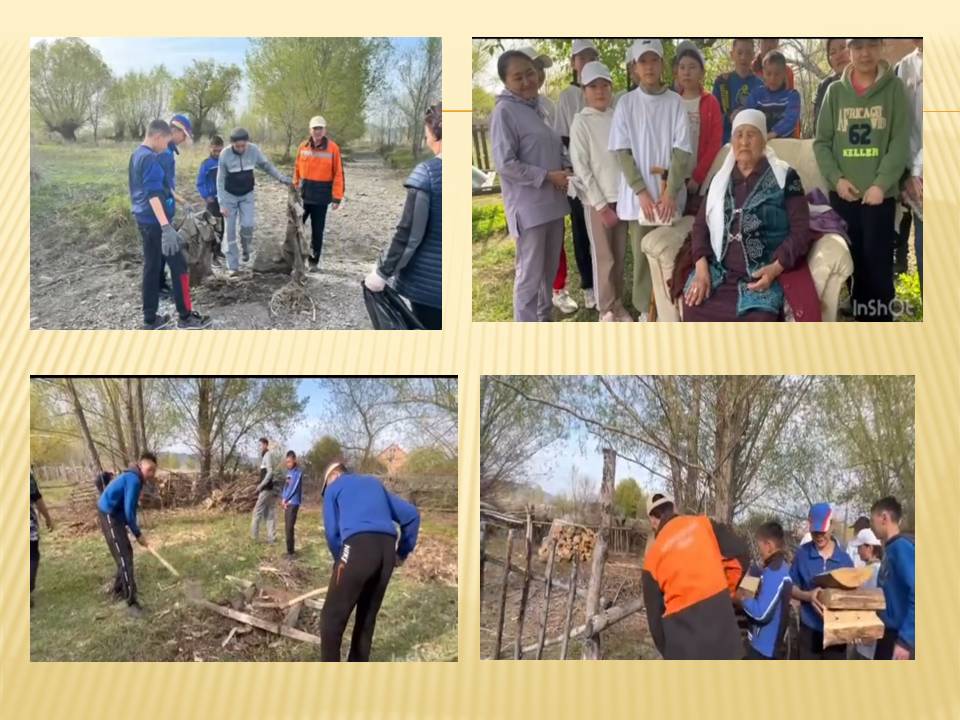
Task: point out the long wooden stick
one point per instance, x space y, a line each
548 585
599 622
559 584
158 556
503 596
247 619
571 596
525 593
301 598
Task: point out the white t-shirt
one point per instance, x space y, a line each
569 104
693 115
650 126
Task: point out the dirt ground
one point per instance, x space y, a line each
627 640
83 283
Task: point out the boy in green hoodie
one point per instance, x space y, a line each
862 148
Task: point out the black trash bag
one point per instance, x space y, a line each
388 311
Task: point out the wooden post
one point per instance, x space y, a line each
525 592
503 596
571 597
591 643
548 585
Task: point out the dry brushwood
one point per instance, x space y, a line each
571 540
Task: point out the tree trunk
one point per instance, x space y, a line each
141 420
130 402
110 395
205 425
84 428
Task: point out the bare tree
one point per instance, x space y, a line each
84 427
419 72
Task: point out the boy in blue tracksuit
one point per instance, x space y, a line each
117 509
360 518
769 609
821 555
731 89
207 187
291 498
897 578
779 103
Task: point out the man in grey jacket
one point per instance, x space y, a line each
235 183
266 507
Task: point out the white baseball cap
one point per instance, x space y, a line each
690 46
543 60
646 45
594 70
579 45
317 121
865 537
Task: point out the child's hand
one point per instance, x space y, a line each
668 207
847 190
873 196
647 206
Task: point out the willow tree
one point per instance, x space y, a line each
66 76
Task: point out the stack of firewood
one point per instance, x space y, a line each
850 613
239 495
572 540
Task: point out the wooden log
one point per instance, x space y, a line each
601 621
862 599
548 586
293 615
846 626
503 595
750 584
525 592
247 619
844 578
571 596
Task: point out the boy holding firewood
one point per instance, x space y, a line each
769 609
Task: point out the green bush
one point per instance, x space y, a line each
909 297
488 220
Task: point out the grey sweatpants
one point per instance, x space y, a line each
265 510
538 256
238 209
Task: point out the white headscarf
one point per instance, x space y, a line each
718 186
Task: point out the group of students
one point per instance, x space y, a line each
369 531
621 165
226 183
693 569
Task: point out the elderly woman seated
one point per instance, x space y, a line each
753 226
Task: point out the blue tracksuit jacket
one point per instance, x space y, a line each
207 178
780 107
120 498
897 579
769 610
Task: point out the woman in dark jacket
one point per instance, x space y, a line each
414 256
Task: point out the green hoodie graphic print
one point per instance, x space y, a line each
864 138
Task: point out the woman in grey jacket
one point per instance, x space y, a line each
528 155
235 183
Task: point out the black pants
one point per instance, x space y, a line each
213 208
318 221
810 646
153 260
34 562
885 645
430 317
115 533
581 244
872 236
289 522
901 251
359 580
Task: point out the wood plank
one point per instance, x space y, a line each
247 619
862 599
548 586
846 626
844 578
503 596
300 598
571 597
750 584
525 592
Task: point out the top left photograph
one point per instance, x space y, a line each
235 183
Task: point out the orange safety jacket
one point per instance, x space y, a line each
318 171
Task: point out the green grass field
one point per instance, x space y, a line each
74 620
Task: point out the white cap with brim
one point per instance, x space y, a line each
579 45
646 45
594 71
317 121
749 116
865 537
657 500
542 60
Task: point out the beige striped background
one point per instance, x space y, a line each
927 688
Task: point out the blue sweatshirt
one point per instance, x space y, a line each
293 490
769 610
780 107
807 564
120 498
361 504
732 91
207 178
897 580
146 180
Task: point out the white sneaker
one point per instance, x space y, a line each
642 317
589 299
563 302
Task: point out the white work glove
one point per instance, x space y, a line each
373 281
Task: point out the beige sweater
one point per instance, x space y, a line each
593 163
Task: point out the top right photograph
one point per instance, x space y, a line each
697 180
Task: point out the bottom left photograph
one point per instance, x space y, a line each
259 519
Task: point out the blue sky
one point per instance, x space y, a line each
124 54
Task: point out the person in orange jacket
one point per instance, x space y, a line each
318 174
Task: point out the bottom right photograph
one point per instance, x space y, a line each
697 517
